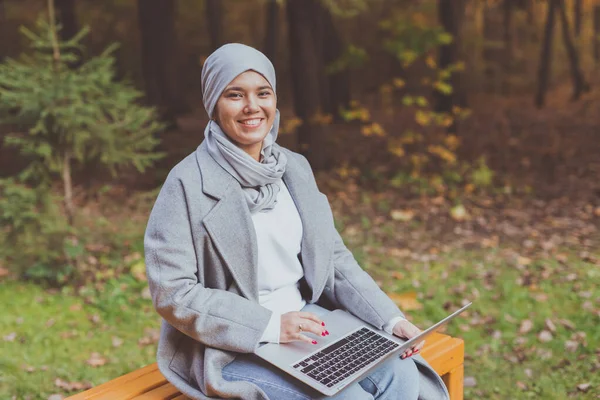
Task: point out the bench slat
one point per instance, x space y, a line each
131 389
89 394
164 392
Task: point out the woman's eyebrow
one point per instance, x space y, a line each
240 89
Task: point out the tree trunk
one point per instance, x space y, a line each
157 28
305 69
271 36
3 33
68 187
67 18
214 16
508 38
546 55
337 84
579 84
578 11
450 15
596 41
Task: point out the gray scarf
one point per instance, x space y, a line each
259 180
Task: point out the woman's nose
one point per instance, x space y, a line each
251 105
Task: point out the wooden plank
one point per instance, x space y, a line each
88 394
454 381
446 358
133 388
181 397
164 392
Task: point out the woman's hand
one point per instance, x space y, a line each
294 323
405 330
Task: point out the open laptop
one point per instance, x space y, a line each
348 354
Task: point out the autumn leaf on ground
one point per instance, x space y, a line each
459 213
3 272
583 387
406 301
116 342
71 386
10 337
402 215
545 336
526 326
96 360
138 271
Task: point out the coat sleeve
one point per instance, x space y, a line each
216 318
353 289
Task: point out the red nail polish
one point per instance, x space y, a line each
314 342
327 332
416 351
322 323
322 333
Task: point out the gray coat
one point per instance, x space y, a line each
201 256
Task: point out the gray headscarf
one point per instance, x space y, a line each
259 180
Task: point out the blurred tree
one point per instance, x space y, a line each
70 116
2 33
214 17
272 30
579 83
306 69
596 39
67 19
509 6
578 14
546 55
156 19
450 15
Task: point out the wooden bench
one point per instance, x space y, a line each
444 353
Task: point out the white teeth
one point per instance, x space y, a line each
251 122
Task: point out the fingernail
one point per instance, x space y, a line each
314 342
323 333
327 332
322 323
403 356
417 350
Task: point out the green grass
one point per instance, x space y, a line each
505 363
56 335
501 362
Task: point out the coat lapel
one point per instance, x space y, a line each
315 213
229 224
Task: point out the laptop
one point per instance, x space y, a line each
351 351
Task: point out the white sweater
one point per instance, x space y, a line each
279 237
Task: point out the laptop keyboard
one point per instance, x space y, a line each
345 357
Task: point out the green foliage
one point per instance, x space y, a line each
482 176
68 113
36 240
353 57
64 112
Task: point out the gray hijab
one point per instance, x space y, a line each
259 180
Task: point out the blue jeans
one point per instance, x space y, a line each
394 379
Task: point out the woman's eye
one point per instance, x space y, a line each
234 95
264 93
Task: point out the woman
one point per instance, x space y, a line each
241 249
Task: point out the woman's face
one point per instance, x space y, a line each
246 111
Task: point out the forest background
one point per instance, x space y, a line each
457 141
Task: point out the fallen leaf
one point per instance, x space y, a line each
56 396
523 261
402 215
96 360
571 345
550 325
75 307
526 326
3 272
138 271
470 381
116 342
71 386
95 319
567 324
583 387
545 336
521 385
406 301
50 323
459 213
146 295
528 372
10 337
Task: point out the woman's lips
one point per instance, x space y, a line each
252 123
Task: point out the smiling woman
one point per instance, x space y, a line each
246 111
241 250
